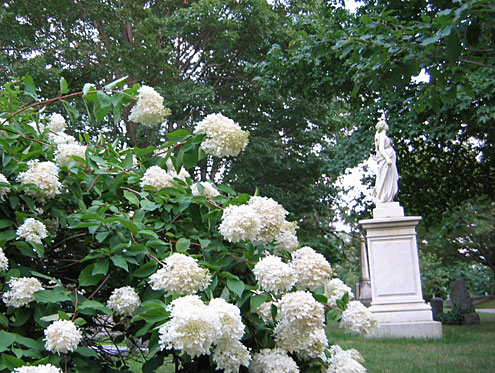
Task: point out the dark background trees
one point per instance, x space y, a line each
307 79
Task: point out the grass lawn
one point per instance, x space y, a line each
490 304
463 348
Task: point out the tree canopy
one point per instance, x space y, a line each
308 79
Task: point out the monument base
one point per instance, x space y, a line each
397 302
420 330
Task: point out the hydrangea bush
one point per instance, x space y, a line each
109 254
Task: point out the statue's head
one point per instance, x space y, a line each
381 125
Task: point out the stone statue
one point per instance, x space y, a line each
386 176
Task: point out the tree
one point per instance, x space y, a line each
468 232
442 129
203 57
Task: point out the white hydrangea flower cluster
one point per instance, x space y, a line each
224 137
260 221
300 325
344 361
273 275
124 301
265 311
46 368
32 230
149 109
230 353
57 123
312 269
62 336
157 177
229 356
272 216
335 289
3 190
62 138
273 361
45 176
209 190
65 152
182 274
4 262
287 238
357 319
194 328
21 291
239 223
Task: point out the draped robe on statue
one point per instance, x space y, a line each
387 176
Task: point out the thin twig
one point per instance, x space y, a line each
93 183
99 287
69 238
154 257
44 102
25 137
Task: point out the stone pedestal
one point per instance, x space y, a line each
396 296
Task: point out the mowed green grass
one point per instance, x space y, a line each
489 304
463 348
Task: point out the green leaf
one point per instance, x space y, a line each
7 235
145 270
103 99
153 364
256 301
320 298
94 305
86 352
236 286
454 47
101 236
86 277
120 261
89 92
6 339
55 295
131 197
64 88
127 223
71 111
12 362
100 112
116 83
148 205
29 87
5 223
4 322
183 244
178 135
128 161
101 267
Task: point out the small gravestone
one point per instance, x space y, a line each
462 300
436 306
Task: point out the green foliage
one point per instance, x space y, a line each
206 57
469 231
453 317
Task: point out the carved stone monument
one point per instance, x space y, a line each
396 296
